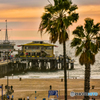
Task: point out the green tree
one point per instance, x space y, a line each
86 43
55 21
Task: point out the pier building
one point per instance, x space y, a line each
37 49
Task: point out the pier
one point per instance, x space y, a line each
33 56
20 65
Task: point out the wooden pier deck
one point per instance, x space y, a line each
32 64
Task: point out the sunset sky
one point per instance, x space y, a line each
24 17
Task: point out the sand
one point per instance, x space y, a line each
27 87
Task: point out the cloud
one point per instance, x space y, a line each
21 13
21 18
92 12
38 3
25 15
25 3
23 35
11 4
86 2
91 9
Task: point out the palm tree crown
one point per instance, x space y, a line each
57 18
85 41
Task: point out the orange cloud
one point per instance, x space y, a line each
30 18
91 11
26 38
23 35
21 13
89 8
85 11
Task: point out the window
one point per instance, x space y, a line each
29 47
49 48
33 47
37 47
38 54
33 54
26 47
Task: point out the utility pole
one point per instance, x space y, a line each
7 76
6 34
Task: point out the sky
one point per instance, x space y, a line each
24 16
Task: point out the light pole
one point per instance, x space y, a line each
7 76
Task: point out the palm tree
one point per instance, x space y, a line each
86 43
55 21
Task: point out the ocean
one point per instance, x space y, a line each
78 71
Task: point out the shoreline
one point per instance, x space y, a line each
48 77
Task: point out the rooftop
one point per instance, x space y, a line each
37 43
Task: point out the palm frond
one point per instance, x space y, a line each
90 57
65 4
67 21
56 2
79 32
79 50
49 8
44 23
49 1
53 37
76 42
94 48
70 19
87 58
72 8
82 58
62 5
88 25
74 17
46 16
95 29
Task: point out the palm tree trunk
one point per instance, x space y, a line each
65 75
87 80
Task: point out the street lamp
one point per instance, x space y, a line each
7 75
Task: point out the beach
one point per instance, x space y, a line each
39 87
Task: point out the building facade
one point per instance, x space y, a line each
37 49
